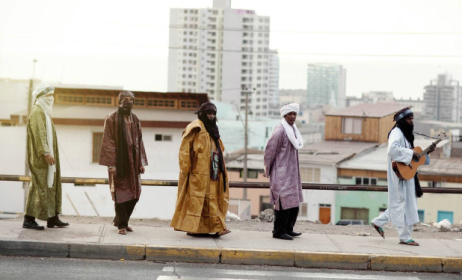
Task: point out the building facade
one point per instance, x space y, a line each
225 53
326 85
442 98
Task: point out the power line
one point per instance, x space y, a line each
248 51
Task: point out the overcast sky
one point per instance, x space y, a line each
393 45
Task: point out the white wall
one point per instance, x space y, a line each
316 197
12 162
75 146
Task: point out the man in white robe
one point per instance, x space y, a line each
402 199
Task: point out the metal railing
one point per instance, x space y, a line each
78 181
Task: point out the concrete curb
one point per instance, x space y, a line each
231 256
107 251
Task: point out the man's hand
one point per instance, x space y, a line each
142 169
432 148
112 171
50 160
415 156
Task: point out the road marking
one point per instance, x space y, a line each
168 269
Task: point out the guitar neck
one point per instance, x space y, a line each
424 152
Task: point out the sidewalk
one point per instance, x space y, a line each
94 241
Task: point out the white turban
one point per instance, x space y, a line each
42 89
293 107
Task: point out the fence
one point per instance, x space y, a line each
251 185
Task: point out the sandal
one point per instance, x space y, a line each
410 242
223 232
122 231
379 230
129 229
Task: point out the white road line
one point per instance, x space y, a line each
168 269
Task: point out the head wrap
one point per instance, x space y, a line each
42 90
207 106
293 107
125 93
212 129
403 114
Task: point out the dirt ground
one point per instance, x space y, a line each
421 231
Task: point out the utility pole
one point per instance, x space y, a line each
29 107
246 91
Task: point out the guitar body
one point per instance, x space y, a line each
408 172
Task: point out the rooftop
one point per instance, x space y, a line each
377 110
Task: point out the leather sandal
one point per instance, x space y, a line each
223 232
129 229
123 231
409 242
379 230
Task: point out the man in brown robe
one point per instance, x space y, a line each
122 151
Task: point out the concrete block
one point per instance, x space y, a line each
107 251
332 260
257 257
452 265
182 254
33 248
407 263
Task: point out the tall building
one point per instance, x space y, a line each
273 83
442 99
223 52
326 85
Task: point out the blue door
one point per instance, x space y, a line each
421 215
445 215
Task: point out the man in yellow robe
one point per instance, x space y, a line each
44 197
203 193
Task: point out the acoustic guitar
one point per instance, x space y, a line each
406 172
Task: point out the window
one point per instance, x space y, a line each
99 100
97 141
351 126
189 104
366 181
139 102
69 99
251 173
163 138
161 103
310 174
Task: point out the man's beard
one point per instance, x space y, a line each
408 131
126 108
210 126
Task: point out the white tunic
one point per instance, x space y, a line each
402 201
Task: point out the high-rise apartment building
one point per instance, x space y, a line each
326 85
223 52
442 99
273 86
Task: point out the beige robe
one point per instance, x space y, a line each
201 203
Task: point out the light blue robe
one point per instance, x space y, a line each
402 200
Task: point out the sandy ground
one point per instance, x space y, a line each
421 231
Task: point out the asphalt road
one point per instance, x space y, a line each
19 268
